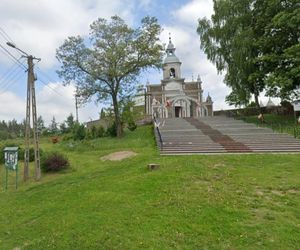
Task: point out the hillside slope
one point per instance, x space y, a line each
190 202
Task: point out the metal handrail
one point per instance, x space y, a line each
158 132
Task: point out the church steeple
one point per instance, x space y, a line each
171 62
170 51
171 48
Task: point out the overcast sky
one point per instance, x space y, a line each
40 26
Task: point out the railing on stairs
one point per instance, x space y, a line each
156 126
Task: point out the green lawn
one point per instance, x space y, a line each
191 202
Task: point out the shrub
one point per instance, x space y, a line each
93 132
131 126
5 135
54 139
100 131
67 137
53 162
89 135
31 153
79 132
112 130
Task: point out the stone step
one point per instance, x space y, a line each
220 135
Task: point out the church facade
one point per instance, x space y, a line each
174 97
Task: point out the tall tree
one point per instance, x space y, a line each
256 42
278 31
229 42
109 63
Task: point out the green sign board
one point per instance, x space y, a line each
11 162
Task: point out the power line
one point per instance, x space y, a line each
11 70
12 57
22 65
47 85
5 35
13 81
9 79
46 75
50 79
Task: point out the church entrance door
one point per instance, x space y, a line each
178 111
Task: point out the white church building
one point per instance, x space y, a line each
174 97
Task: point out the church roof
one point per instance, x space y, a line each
208 99
170 51
191 85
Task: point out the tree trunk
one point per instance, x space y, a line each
257 103
117 116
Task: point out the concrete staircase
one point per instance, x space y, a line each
220 135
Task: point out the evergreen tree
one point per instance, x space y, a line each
102 113
53 126
40 124
70 122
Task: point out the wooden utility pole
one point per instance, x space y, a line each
31 100
30 103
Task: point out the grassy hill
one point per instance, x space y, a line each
191 202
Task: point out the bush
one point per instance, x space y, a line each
131 126
95 132
54 139
31 153
112 130
79 132
53 162
100 131
5 135
67 137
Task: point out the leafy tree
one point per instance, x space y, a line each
256 42
108 65
228 41
278 31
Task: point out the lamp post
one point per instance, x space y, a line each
30 104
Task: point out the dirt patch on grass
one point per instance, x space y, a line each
118 156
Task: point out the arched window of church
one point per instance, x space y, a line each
172 73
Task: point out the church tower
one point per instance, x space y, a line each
171 63
175 97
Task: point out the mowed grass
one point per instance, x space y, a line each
190 202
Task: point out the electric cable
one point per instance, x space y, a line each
12 57
12 82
